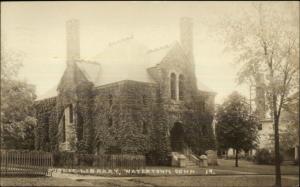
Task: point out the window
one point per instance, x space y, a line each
110 100
202 103
204 130
145 129
260 127
144 100
110 121
181 87
79 127
71 113
173 86
64 129
46 128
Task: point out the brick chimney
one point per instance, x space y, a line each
186 36
73 41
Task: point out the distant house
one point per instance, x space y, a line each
289 119
113 103
289 115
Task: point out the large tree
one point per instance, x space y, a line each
265 41
236 128
17 97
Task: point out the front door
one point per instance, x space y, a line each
177 138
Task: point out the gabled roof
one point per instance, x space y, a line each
91 70
155 56
126 59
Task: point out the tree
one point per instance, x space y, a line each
236 128
266 41
17 97
289 138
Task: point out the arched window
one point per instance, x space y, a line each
79 126
46 128
204 130
71 113
173 86
144 100
64 129
110 99
181 87
145 129
202 103
110 121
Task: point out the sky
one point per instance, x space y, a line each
37 29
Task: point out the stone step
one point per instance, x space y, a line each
190 163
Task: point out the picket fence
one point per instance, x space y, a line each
24 163
35 163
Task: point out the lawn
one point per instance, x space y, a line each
215 181
40 181
246 166
225 176
207 181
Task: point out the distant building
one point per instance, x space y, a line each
266 128
113 103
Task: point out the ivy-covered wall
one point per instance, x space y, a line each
46 129
128 116
124 116
195 111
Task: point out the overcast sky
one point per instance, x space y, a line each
38 30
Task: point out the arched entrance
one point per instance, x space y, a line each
177 137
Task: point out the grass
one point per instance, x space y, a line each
207 181
215 181
247 166
290 178
40 181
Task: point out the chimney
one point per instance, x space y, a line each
186 36
73 43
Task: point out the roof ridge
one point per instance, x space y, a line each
88 62
110 44
159 48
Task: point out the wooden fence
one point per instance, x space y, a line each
25 163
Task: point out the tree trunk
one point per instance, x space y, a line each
277 153
236 158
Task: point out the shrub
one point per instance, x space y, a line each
71 159
230 157
156 159
264 156
249 158
85 159
63 159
